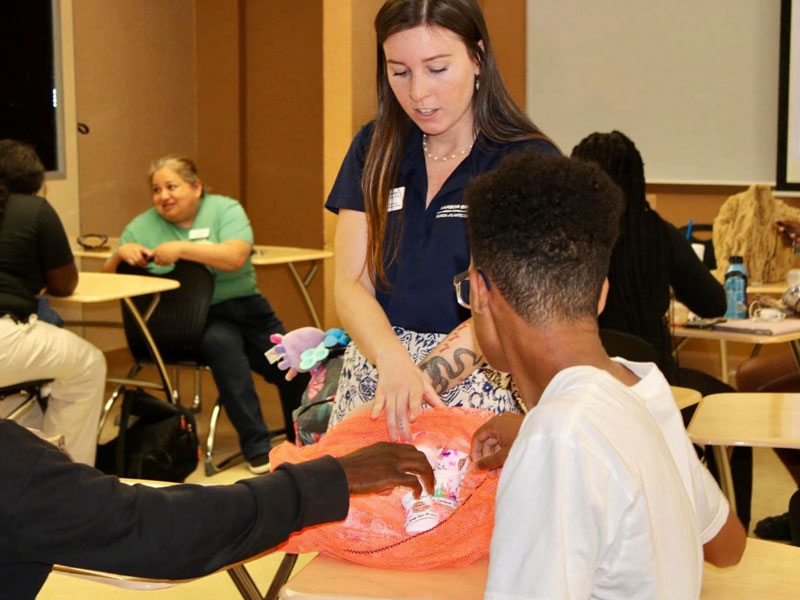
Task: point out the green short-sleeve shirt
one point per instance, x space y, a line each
219 219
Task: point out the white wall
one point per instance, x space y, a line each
693 82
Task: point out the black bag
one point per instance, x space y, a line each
161 443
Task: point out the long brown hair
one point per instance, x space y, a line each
494 113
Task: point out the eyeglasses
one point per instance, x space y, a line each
461 284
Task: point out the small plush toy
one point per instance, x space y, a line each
336 337
304 349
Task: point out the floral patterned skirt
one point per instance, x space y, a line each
485 388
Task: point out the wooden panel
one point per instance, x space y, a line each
135 88
506 21
219 96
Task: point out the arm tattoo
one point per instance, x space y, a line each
442 373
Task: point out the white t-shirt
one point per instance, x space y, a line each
602 495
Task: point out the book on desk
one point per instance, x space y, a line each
758 327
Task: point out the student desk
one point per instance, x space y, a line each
326 578
238 571
288 255
685 397
767 289
745 419
723 337
262 256
105 287
767 570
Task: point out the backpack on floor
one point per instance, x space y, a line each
311 418
157 440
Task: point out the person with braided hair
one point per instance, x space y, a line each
35 255
651 256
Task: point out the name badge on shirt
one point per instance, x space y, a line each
199 234
396 196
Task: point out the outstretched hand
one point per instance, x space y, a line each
492 441
384 466
402 389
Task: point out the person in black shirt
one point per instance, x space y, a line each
35 255
55 511
649 257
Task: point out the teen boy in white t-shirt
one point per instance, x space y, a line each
601 495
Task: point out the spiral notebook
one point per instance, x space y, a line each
758 327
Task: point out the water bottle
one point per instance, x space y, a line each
736 289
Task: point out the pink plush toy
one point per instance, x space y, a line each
291 346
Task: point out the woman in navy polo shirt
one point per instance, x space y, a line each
444 116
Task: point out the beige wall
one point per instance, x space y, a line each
135 82
220 101
283 140
506 21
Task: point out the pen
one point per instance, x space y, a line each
689 229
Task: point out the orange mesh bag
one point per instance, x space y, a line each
386 530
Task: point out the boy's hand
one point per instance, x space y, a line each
384 466
493 439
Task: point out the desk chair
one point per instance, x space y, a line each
177 324
628 346
32 390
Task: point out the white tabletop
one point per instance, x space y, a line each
772 289
102 287
731 336
767 570
748 419
685 397
279 255
262 255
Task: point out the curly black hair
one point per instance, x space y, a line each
21 171
542 227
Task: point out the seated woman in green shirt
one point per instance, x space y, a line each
187 223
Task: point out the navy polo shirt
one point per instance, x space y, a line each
433 242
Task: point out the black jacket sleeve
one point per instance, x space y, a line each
693 283
57 511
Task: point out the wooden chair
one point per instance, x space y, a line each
177 324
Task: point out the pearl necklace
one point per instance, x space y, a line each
445 157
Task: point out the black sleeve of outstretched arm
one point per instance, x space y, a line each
57 511
693 283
